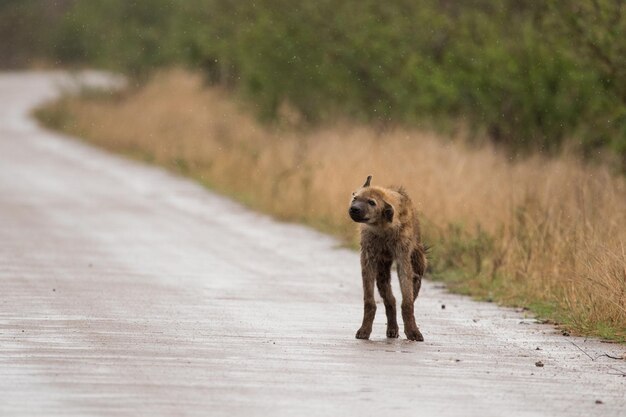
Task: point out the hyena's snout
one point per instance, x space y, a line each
358 212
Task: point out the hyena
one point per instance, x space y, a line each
390 231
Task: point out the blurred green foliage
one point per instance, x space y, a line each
531 75
27 28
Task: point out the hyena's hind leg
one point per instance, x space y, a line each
419 263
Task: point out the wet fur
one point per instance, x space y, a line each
390 231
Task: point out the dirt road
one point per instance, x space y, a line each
125 290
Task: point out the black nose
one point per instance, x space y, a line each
355 211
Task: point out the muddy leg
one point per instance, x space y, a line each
369 304
383 282
405 273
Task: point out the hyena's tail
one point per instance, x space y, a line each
419 263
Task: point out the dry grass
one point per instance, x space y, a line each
549 234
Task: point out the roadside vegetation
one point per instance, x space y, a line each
528 76
544 233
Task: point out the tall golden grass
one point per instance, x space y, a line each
544 233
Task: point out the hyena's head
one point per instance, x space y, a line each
368 205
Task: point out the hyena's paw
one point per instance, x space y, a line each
414 334
392 331
363 333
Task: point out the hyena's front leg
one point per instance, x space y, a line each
368 273
383 282
405 273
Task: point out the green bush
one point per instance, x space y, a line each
26 30
509 69
531 75
133 36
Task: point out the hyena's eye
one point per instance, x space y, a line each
371 202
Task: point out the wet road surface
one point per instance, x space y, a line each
125 290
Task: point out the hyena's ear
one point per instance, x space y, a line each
388 212
367 181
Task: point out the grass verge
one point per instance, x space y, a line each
545 234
